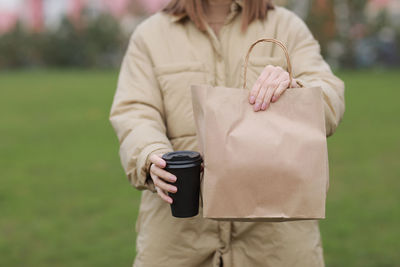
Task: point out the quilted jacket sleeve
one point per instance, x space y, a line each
137 114
311 70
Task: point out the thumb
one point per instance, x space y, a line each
294 84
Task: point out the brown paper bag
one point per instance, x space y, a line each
269 165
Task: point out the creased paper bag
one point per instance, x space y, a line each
270 165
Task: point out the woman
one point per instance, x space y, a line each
197 42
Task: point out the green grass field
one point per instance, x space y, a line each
64 200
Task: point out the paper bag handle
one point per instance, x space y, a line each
289 65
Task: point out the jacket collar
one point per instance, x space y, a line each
236 4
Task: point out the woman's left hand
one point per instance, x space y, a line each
271 84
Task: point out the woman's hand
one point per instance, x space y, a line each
160 176
271 84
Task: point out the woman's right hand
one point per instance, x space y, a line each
160 176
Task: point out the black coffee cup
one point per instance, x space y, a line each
186 166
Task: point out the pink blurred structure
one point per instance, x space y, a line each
380 3
153 6
117 7
35 8
8 20
37 14
75 10
34 13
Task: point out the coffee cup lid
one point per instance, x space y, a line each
182 157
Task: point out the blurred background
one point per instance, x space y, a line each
93 33
64 199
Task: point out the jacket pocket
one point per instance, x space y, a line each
175 80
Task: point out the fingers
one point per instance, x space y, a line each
163 174
157 160
294 84
273 86
163 195
257 85
279 91
268 87
282 86
163 188
163 185
268 96
159 177
260 98
275 81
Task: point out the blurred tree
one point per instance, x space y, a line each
100 43
14 48
348 37
322 22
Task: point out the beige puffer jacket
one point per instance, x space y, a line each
152 113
